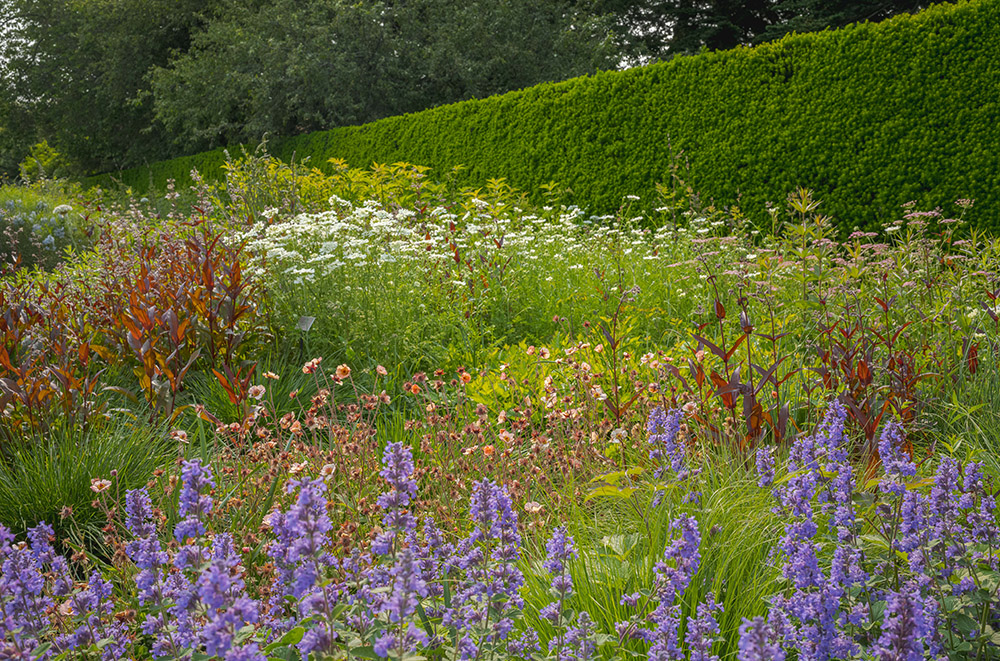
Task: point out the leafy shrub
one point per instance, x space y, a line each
39 223
44 162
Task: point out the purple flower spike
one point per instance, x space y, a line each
765 465
897 465
703 630
663 429
758 642
194 504
684 554
905 628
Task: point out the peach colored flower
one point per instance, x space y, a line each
328 470
256 392
271 375
488 450
381 370
531 507
97 485
343 371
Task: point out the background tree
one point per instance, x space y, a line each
80 70
292 66
659 29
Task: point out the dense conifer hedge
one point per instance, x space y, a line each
869 117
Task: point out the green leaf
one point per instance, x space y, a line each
293 637
610 491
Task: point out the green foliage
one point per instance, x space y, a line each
286 67
76 72
41 476
40 223
43 161
869 117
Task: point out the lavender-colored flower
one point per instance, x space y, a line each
559 549
408 588
397 470
759 642
765 465
194 504
897 465
905 628
683 552
703 630
663 429
41 537
395 643
578 643
145 551
663 636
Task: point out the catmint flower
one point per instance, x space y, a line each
905 628
663 430
193 503
765 465
897 465
703 630
397 470
759 642
685 557
559 549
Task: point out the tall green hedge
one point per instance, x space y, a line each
869 117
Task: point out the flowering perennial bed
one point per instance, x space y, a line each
905 569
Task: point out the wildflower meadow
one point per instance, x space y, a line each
377 414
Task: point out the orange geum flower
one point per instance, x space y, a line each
488 450
343 371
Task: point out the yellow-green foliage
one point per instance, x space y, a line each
869 117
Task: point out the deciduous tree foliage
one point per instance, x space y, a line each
289 66
77 73
659 29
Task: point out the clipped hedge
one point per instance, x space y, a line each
869 117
